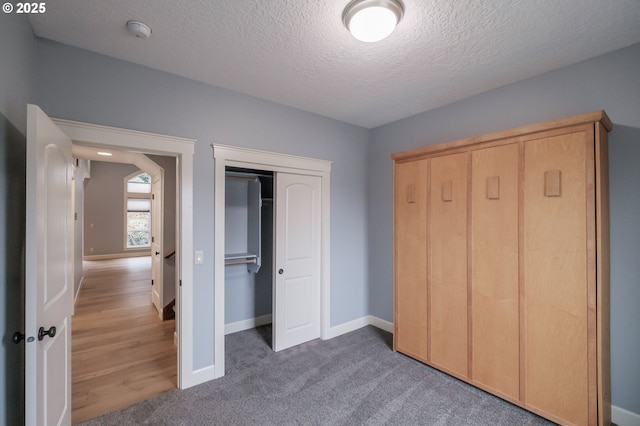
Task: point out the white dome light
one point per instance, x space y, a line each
372 20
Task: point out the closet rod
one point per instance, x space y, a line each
229 173
239 262
240 177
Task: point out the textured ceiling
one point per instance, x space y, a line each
298 53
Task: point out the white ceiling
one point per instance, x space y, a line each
298 53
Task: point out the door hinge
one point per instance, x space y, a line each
153 196
151 283
153 239
180 283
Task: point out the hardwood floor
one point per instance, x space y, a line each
121 352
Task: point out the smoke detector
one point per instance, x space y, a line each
139 29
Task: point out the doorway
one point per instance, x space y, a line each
123 349
248 249
308 181
49 246
182 149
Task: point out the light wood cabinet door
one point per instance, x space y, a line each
559 266
410 323
448 263
502 264
494 269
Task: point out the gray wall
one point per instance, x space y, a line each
80 85
610 82
17 87
104 209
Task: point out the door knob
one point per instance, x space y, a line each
17 337
42 332
157 253
281 271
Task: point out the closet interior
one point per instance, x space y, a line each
248 245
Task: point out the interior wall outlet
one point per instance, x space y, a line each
199 257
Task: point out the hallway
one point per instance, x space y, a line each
121 352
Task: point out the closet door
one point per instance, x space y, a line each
296 316
410 309
448 263
559 279
494 269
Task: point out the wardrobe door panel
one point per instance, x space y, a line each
448 263
556 275
410 311
494 266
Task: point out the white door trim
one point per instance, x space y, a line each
225 155
109 137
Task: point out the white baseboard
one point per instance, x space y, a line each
350 326
623 417
381 324
116 255
336 331
234 327
345 328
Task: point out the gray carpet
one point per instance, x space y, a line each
354 379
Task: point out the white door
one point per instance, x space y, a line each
157 255
48 272
296 316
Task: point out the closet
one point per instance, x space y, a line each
501 264
248 245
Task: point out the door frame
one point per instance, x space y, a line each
150 143
224 156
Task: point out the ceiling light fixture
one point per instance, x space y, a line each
104 154
372 20
139 29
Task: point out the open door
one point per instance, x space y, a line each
296 317
49 272
157 253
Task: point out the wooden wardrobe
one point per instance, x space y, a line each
502 264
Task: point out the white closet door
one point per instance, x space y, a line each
296 317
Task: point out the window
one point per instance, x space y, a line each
138 210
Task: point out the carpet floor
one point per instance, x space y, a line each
353 379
